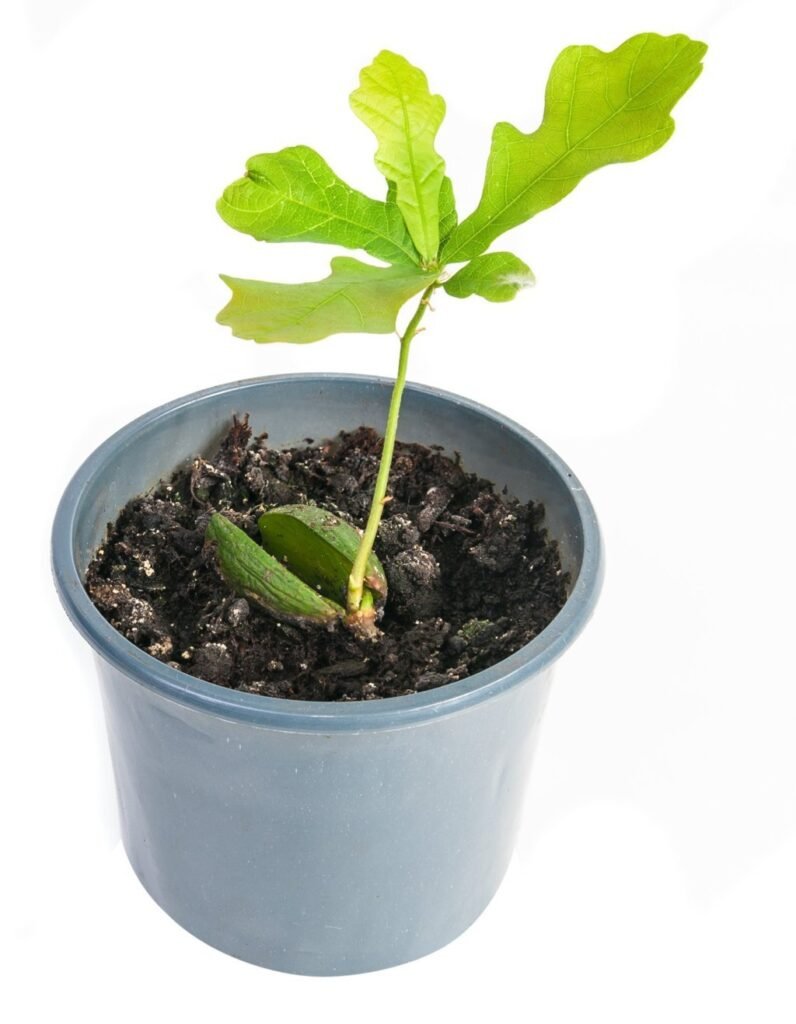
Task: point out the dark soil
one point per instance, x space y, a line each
472 575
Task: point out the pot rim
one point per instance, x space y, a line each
320 716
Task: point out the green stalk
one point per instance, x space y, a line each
356 581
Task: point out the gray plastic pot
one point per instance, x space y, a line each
310 837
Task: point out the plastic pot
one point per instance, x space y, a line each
321 838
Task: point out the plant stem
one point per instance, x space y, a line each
356 581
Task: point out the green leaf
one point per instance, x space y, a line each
356 297
448 218
496 276
394 101
295 196
600 108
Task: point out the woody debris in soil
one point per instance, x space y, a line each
472 575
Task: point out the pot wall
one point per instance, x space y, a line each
308 837
321 852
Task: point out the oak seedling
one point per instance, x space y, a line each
600 108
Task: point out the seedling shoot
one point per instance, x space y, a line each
600 108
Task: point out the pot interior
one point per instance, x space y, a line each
292 409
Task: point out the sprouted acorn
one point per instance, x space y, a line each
251 572
600 108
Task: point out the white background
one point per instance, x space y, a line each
655 876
